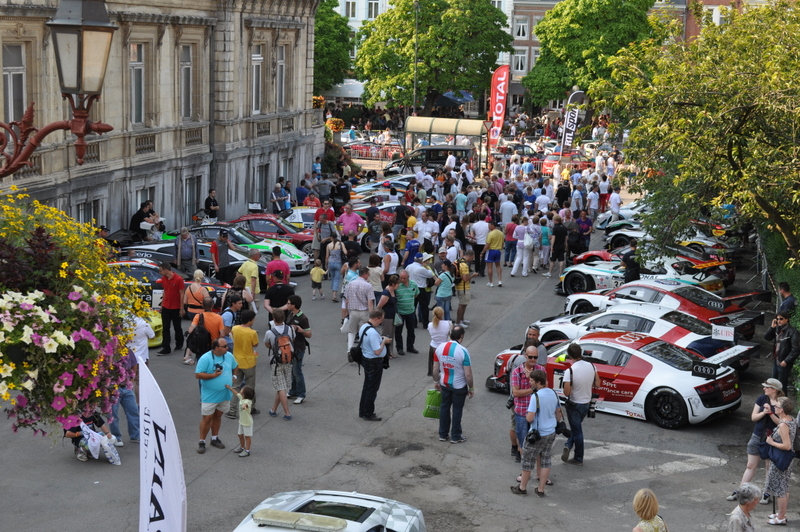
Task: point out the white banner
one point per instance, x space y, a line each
162 489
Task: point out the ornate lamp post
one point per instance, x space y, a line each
82 37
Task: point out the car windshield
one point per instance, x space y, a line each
289 228
671 355
348 512
581 319
698 296
690 323
246 237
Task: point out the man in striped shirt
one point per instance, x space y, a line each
452 371
407 292
360 300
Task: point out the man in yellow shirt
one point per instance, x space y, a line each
245 339
493 251
462 288
250 271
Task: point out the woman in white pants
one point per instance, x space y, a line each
523 255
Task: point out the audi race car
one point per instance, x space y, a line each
692 300
652 379
665 323
602 275
332 511
695 239
631 211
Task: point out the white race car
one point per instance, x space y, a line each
331 510
603 275
694 239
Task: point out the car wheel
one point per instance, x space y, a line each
306 248
667 408
365 242
554 336
619 241
582 307
577 282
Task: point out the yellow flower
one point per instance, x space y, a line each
64 265
98 393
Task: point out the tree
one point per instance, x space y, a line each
332 45
717 121
576 39
458 43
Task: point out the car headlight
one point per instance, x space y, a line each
498 362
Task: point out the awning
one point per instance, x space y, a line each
450 99
446 126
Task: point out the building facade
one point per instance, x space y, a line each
205 94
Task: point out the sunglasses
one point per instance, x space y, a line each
532 358
780 319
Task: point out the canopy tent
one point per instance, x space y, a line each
450 99
447 126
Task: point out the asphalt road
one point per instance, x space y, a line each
461 487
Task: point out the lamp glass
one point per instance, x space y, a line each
67 50
96 47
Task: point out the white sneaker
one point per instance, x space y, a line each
299 400
500 283
489 284
548 274
118 443
466 321
313 298
464 325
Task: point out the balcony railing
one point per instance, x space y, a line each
145 144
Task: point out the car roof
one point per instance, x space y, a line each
644 310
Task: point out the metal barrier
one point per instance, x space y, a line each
374 153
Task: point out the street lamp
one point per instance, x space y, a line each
416 49
82 35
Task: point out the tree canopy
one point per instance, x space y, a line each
332 45
717 121
458 44
577 37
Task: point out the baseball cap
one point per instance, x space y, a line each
527 203
419 256
224 232
103 228
442 249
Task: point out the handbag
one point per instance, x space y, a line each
780 458
345 328
432 404
528 242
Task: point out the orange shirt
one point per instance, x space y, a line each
213 323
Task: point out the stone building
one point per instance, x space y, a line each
203 94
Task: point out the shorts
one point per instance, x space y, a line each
245 431
752 445
207 409
317 285
493 255
282 376
463 297
543 449
557 255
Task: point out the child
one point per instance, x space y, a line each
245 419
94 422
316 279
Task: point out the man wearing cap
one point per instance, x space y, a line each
614 203
222 262
422 276
785 347
278 198
186 251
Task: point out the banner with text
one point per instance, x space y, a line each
162 488
501 80
571 120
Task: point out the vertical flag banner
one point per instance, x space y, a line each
571 119
162 488
500 83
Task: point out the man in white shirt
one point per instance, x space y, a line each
543 203
451 160
423 171
481 230
548 187
579 379
507 210
600 164
593 199
614 203
576 204
426 225
556 170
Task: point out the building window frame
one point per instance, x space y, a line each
373 9
350 9
519 60
257 81
138 82
88 212
498 4
280 76
193 196
15 83
186 81
521 25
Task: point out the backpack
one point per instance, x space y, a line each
282 346
355 352
199 341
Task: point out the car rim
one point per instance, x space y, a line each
576 283
583 307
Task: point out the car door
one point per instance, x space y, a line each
609 361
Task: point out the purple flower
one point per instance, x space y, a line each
58 403
26 306
81 371
74 296
22 401
67 378
83 306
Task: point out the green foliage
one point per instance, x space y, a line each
458 43
717 120
349 114
332 45
577 37
328 134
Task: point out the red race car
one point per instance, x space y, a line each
273 226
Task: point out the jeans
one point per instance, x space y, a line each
423 304
780 373
128 401
455 398
409 322
511 251
373 371
444 302
298 388
335 273
172 317
522 429
575 414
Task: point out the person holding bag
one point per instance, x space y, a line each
781 439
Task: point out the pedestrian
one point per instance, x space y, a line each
316 280
94 422
614 204
785 347
765 419
544 250
274 340
463 284
631 263
788 303
244 400
388 304
579 379
452 371
406 293
522 257
245 342
521 391
277 264
186 251
212 322
323 231
298 320
219 254
480 230
559 244
228 316
544 412
278 198
137 347
391 260
240 289
335 254
373 349
510 243
645 504
444 287
423 277
360 301
493 251
277 296
593 199
350 221
585 228
215 371
193 295
211 207
171 308
782 438
439 330
740 519
251 272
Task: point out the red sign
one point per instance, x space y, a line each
500 83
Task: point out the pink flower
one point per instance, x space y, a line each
67 378
58 387
58 403
81 371
26 306
22 401
83 306
74 296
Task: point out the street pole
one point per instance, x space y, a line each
416 50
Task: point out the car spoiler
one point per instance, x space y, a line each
729 356
737 320
743 299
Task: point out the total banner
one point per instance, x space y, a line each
500 83
571 121
162 488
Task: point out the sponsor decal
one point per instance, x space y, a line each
637 415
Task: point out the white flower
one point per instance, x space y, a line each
6 370
33 374
36 295
9 326
26 334
62 339
50 345
2 337
28 385
3 387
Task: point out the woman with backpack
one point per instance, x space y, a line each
240 288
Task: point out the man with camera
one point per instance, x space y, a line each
544 417
452 371
579 380
215 371
522 390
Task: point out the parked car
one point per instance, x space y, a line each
277 228
431 156
324 510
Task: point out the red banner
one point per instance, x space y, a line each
501 79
